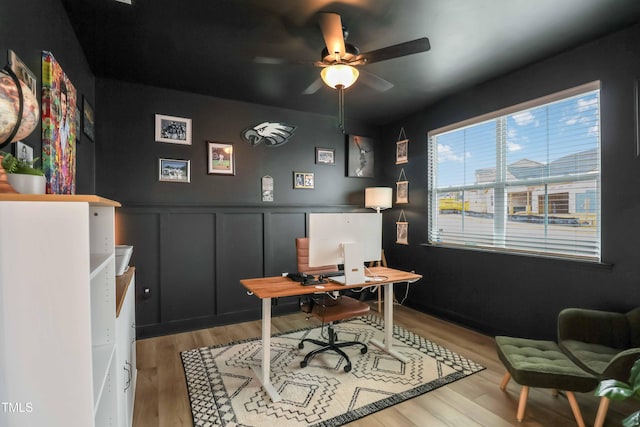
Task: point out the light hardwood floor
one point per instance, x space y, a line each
162 401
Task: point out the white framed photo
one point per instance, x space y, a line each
174 130
220 159
174 170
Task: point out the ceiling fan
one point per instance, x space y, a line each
339 60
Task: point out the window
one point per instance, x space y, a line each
524 179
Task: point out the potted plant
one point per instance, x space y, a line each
619 390
23 175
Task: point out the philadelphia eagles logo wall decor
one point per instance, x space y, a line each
271 133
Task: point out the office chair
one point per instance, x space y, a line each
328 310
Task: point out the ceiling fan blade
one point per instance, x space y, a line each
397 50
313 87
373 81
331 27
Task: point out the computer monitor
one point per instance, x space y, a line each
345 238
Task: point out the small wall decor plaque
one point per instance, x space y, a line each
402 189
267 188
402 229
272 134
402 148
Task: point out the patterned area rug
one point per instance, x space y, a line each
223 389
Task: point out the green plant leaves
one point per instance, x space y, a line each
614 390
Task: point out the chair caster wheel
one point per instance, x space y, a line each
301 346
363 350
303 364
347 368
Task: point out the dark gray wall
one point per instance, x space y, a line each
522 295
30 26
194 242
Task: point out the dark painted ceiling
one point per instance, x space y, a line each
209 46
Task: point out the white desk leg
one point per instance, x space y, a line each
264 373
388 326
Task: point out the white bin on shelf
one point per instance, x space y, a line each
123 255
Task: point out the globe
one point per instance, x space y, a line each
10 107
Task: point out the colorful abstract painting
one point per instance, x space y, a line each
58 128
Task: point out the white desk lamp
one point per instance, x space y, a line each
378 198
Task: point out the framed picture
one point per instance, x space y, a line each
173 170
221 159
88 119
360 157
402 231
22 71
402 151
174 130
325 156
303 180
78 116
402 192
58 127
23 152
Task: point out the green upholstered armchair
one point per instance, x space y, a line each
604 343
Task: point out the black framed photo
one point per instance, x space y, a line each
21 71
174 130
88 119
325 156
360 156
303 180
174 170
78 124
220 159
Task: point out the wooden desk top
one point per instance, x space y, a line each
278 286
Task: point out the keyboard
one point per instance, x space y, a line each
304 279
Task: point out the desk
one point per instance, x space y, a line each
267 288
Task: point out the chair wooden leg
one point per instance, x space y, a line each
379 299
505 381
602 412
522 404
575 408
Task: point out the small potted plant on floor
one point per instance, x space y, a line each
23 176
619 390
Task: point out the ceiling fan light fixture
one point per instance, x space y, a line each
339 75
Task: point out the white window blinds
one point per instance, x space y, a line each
524 179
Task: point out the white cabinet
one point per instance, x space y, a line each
126 346
57 311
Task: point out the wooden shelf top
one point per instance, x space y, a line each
122 284
88 198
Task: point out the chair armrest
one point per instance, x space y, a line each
606 328
620 366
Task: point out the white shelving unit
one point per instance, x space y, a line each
57 311
126 346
